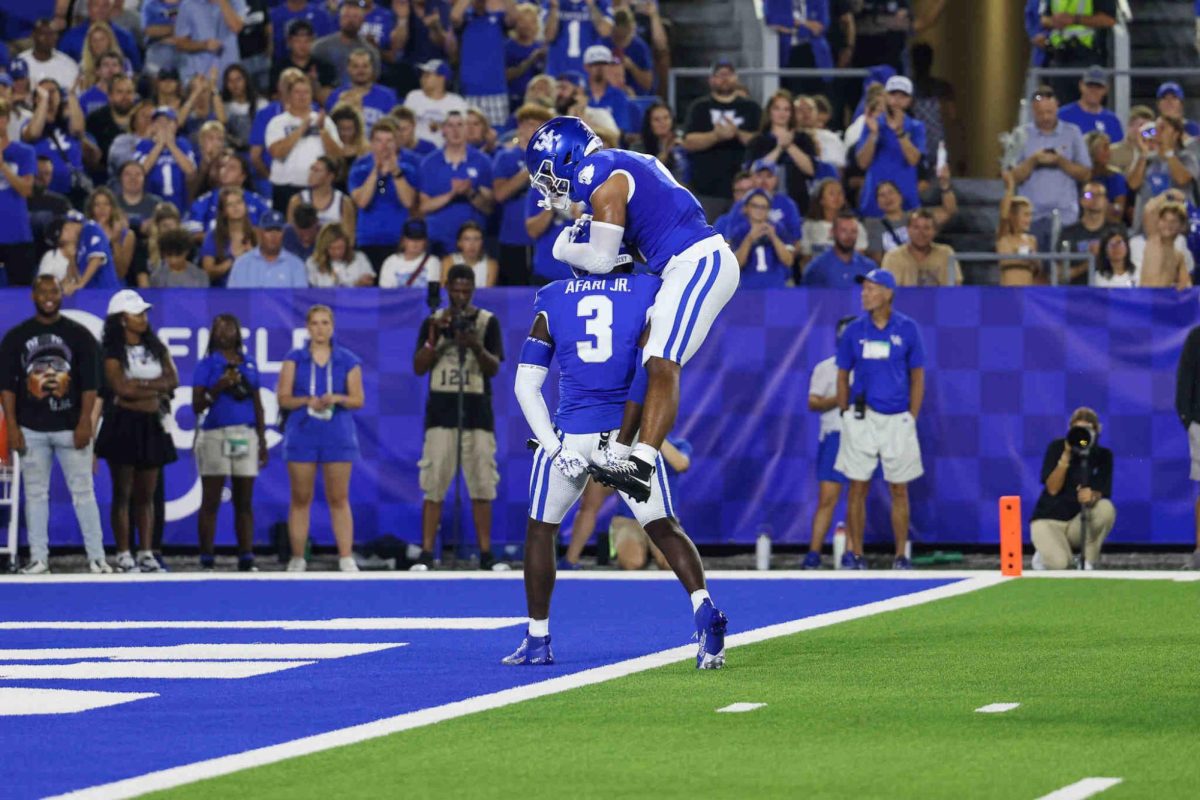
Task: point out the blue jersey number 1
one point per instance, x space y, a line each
598 311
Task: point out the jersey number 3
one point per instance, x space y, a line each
598 311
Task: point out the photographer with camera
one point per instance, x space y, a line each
231 438
460 347
1074 509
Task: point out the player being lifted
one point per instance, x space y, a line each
593 326
635 200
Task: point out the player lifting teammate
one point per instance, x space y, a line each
635 200
593 326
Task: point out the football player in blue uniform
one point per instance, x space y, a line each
592 325
636 201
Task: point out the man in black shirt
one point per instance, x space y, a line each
300 38
109 121
1092 228
49 374
1074 485
718 128
459 346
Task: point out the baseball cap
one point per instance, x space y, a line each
165 111
127 301
1170 87
763 193
1095 76
298 26
879 277
573 77
899 83
597 54
415 229
762 164
167 74
881 74
355 3
74 216
272 221
723 63
18 69
5 79
438 66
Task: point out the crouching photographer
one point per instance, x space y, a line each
1074 510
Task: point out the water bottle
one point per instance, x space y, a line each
943 158
839 544
762 548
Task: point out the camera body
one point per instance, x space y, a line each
460 322
1081 439
241 390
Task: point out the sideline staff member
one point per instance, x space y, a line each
883 348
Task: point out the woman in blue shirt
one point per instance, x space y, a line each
230 436
763 252
320 384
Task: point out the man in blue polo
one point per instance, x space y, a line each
891 146
883 350
1088 112
841 265
602 94
456 186
373 99
269 266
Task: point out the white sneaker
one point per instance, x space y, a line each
501 566
347 564
297 565
1088 566
36 568
148 563
1037 563
125 562
99 567
419 567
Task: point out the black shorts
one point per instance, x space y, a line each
134 438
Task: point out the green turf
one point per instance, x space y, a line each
1105 671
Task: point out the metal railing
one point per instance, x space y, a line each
1122 93
1055 259
757 72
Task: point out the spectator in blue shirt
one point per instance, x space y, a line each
429 32
100 12
56 132
602 94
632 53
379 29
1170 105
18 164
374 100
892 148
524 53
883 350
84 244
481 25
841 265
283 15
381 186
1088 112
231 441
456 186
158 28
269 266
510 180
802 43
231 174
572 26
110 66
762 247
207 34
168 158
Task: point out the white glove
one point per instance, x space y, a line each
579 227
570 463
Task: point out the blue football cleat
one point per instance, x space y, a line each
534 651
901 563
811 561
568 566
849 560
710 630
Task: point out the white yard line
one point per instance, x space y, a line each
996 708
740 708
1082 789
189 773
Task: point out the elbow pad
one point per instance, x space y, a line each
598 254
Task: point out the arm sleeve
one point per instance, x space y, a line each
597 256
528 388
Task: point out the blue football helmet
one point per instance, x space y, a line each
553 155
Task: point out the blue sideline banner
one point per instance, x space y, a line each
1005 369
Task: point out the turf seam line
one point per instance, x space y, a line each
1088 787
224 765
996 708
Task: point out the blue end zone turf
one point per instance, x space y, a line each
593 623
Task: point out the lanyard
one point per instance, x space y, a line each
312 376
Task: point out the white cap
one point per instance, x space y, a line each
597 54
899 83
127 301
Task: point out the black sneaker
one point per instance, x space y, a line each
424 563
629 475
208 562
486 560
246 564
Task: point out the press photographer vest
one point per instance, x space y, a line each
1081 34
444 377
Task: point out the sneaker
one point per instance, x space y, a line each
486 560
36 568
208 562
811 561
297 565
162 562
710 630
629 475
148 563
424 562
246 564
1037 563
125 562
901 563
534 651
99 567
849 560
860 562
347 564
568 566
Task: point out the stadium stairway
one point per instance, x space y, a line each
703 32
1162 35
973 229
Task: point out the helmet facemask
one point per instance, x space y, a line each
556 192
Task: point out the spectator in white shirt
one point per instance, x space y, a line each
432 103
1114 269
830 147
336 263
295 139
411 265
44 61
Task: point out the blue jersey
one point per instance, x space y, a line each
662 218
165 177
596 323
576 33
880 360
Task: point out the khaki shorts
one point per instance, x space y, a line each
231 451
479 463
890 438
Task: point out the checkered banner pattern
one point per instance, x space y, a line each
1005 369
